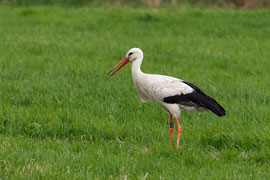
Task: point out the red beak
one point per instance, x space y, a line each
123 62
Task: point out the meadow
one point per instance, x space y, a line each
62 117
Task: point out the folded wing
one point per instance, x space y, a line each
195 98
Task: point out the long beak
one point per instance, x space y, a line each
123 62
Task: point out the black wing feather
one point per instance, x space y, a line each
196 99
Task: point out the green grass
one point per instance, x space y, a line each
62 117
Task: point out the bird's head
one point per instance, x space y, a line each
132 55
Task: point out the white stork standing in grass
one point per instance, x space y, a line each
171 93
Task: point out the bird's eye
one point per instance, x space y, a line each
130 54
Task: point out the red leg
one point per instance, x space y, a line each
171 130
179 131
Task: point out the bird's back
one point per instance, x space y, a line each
160 86
170 90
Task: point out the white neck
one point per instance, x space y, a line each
136 68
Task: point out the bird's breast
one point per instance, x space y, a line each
142 90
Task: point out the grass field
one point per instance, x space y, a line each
62 117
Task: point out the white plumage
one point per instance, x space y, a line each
171 93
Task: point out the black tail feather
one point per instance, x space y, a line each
213 105
207 101
197 99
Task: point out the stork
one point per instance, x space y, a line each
171 93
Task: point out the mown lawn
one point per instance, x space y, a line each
62 117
